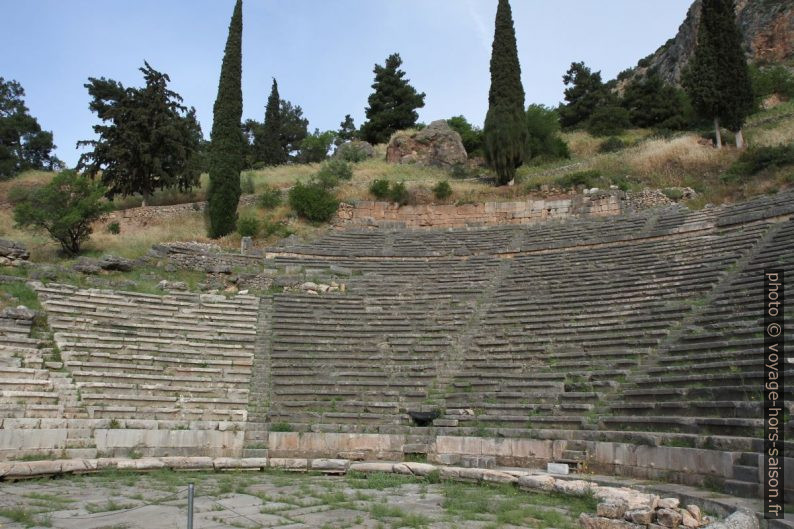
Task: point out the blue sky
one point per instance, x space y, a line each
322 52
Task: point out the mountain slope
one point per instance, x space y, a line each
767 27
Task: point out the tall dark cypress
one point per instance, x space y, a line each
227 142
717 78
506 136
270 150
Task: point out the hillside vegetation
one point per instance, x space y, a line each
645 161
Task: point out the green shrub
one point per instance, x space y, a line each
543 127
114 227
772 80
673 193
470 135
460 171
399 194
65 208
609 120
442 190
612 144
314 147
352 152
271 228
247 184
586 179
270 197
379 188
313 202
332 172
18 194
247 226
622 182
758 159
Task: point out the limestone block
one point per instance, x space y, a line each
330 465
28 439
669 503
576 487
293 464
401 468
450 472
640 516
634 499
420 469
561 469
496 476
611 509
687 520
588 521
371 467
668 517
446 459
537 482
184 463
144 463
695 511
741 520
222 463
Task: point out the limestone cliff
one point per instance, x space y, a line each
767 27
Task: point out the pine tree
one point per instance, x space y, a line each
269 146
147 140
505 130
227 147
717 78
347 131
393 104
584 92
23 145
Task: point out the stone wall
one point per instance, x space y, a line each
142 215
489 213
689 466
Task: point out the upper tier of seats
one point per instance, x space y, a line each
372 243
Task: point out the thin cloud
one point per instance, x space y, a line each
480 25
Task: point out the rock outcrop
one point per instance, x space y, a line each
355 150
767 29
12 253
436 145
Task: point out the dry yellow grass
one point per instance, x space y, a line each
670 162
582 144
27 179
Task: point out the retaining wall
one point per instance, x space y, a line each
484 214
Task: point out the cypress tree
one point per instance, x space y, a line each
227 144
505 130
717 78
270 149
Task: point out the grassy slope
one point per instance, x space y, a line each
648 162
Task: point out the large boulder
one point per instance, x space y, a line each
12 253
436 145
355 151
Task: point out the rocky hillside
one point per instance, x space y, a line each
767 26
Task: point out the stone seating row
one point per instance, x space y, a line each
174 357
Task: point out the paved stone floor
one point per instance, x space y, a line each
158 500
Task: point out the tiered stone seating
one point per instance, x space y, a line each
373 354
565 328
27 389
177 357
561 332
709 379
